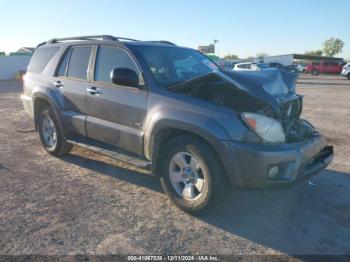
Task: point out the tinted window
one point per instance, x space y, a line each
41 58
109 58
244 66
79 61
63 65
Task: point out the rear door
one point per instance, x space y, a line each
72 82
115 114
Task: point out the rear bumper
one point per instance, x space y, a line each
27 104
298 162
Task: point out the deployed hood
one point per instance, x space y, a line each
271 86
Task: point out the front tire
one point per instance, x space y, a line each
192 175
51 135
349 76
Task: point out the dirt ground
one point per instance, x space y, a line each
85 203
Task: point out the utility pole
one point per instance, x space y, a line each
215 41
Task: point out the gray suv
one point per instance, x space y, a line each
172 110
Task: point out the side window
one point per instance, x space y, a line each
78 62
109 58
41 58
63 66
246 66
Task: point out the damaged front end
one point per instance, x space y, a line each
269 93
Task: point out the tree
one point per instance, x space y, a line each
333 46
229 56
261 55
315 53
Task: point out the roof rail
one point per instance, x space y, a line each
101 37
124 38
162 42
88 37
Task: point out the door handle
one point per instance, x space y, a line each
94 91
58 84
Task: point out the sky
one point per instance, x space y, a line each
244 28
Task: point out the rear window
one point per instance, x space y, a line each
78 62
41 58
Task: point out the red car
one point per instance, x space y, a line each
324 68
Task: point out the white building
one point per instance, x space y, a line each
288 59
10 66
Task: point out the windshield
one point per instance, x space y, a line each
172 65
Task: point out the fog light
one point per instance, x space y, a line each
273 172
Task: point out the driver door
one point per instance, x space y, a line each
115 113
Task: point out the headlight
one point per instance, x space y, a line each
267 128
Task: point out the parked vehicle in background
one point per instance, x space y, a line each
280 66
346 71
292 68
301 68
250 66
276 65
347 65
323 68
174 112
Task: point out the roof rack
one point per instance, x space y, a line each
100 37
90 37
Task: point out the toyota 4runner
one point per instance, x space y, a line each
172 110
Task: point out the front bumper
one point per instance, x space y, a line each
296 162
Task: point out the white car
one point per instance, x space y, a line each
301 68
346 71
249 66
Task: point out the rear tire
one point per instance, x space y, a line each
314 72
349 76
192 175
51 135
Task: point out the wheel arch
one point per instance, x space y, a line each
166 125
168 133
39 101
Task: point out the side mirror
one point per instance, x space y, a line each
125 77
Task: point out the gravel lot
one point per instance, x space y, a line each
85 203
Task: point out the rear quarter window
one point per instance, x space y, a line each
41 58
